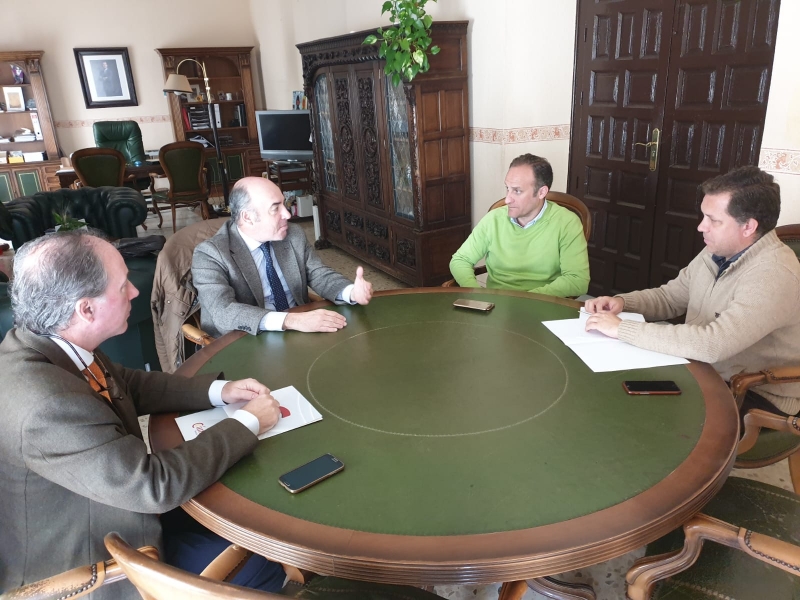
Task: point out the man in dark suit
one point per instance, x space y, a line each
73 463
258 265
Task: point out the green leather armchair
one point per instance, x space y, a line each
117 212
96 167
124 136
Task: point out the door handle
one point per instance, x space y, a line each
652 145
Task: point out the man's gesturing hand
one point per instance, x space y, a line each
315 320
266 409
604 304
362 289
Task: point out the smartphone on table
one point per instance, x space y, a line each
310 473
651 388
474 304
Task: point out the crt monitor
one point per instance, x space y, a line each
284 134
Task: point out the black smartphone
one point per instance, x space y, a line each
310 473
652 388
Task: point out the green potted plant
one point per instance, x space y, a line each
64 222
406 44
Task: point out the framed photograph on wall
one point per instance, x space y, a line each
106 78
15 101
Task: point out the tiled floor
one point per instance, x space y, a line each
608 578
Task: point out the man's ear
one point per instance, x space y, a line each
84 310
750 228
543 191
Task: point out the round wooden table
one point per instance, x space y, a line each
477 447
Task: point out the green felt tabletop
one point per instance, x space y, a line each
454 422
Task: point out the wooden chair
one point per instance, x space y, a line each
569 202
769 438
184 166
758 558
96 167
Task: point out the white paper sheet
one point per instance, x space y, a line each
296 411
602 353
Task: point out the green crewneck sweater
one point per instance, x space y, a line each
549 257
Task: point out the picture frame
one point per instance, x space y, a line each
197 95
15 100
106 78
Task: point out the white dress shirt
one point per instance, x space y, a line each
273 320
532 221
83 358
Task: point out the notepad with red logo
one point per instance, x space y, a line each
296 412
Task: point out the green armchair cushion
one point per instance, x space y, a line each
114 210
723 572
124 136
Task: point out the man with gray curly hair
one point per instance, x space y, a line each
73 462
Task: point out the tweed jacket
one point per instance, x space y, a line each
74 467
229 285
744 321
174 298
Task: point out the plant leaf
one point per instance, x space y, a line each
419 57
428 20
435 50
386 6
370 39
395 79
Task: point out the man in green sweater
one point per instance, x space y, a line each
740 295
530 244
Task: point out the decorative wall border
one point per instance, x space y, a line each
90 122
780 160
520 135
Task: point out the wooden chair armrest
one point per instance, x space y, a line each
75 582
452 282
756 419
227 564
646 572
196 335
744 381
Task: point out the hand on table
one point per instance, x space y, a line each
362 289
604 322
242 390
266 409
604 304
315 320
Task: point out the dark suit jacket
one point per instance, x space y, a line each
229 286
74 467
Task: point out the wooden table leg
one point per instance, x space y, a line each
512 590
561 590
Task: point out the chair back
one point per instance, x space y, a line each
569 202
96 167
790 235
124 136
183 164
156 580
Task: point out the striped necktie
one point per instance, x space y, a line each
278 295
97 379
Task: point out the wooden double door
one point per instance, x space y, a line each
668 93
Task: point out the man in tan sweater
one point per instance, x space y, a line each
741 295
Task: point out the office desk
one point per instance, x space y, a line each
66 177
477 447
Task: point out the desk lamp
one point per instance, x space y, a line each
180 85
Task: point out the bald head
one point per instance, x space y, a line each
257 208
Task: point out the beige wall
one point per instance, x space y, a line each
141 26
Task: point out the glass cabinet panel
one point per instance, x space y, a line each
325 132
400 151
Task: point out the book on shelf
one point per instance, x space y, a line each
23 134
15 156
241 114
3 157
201 140
37 128
4 140
185 116
33 156
217 115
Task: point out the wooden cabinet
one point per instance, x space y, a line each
24 179
229 74
392 163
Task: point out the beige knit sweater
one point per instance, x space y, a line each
746 321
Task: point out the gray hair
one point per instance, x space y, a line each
51 273
239 201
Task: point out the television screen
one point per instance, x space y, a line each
284 134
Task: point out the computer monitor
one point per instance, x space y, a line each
284 134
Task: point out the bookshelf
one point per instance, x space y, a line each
231 81
27 178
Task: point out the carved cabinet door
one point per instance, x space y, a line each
345 102
668 93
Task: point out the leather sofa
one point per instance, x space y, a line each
115 211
